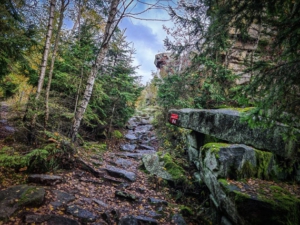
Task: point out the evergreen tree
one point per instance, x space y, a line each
273 63
16 37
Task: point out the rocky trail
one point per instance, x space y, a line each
111 189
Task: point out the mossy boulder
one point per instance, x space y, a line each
237 161
162 165
272 205
11 199
226 124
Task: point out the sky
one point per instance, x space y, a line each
147 38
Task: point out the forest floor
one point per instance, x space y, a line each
122 191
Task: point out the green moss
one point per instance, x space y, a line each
159 153
210 139
117 134
223 182
286 206
26 195
185 210
240 197
264 160
241 110
172 168
95 147
247 171
213 148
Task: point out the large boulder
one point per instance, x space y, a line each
11 199
244 203
155 167
162 165
226 124
237 161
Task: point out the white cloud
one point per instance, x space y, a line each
147 37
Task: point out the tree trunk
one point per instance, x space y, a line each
31 134
64 4
46 50
109 29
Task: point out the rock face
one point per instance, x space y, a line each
219 162
225 124
15 197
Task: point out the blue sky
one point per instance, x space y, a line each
147 38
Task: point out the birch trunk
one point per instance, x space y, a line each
109 29
46 50
31 134
64 4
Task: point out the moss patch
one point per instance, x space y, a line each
172 168
247 171
213 148
117 134
264 160
185 210
286 206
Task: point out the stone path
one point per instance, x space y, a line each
120 194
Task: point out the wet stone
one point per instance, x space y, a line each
146 220
178 220
56 205
133 155
63 197
111 179
146 152
83 214
11 199
157 201
44 179
141 190
126 195
50 219
147 147
120 173
123 162
101 203
128 147
154 214
128 220
131 137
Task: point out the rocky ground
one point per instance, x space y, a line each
108 189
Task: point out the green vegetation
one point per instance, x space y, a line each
117 134
240 197
286 206
264 160
247 171
185 210
214 148
173 168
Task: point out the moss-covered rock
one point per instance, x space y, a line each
272 205
163 166
226 124
172 168
11 199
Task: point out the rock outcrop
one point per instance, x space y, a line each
241 152
226 124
